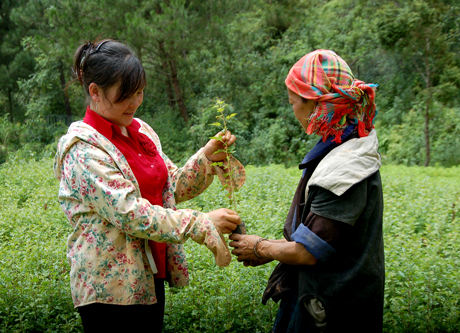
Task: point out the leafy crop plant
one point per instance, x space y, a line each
222 123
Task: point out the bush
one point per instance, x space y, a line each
3 154
421 233
421 228
405 143
33 140
34 279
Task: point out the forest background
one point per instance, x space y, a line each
240 51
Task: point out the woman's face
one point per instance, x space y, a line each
122 113
302 110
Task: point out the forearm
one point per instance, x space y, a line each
193 178
198 173
291 253
143 220
278 240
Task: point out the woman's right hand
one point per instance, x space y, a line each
225 219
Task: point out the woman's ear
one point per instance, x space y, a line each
94 92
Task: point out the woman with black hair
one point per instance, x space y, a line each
119 192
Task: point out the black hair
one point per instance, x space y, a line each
107 63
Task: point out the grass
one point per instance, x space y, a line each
421 231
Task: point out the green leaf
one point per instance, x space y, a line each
219 151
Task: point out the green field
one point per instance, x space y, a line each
421 230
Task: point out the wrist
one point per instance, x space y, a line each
257 248
204 150
207 157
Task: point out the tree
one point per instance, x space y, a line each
15 62
417 34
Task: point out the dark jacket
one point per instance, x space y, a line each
344 185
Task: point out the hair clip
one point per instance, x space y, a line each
92 52
82 59
100 44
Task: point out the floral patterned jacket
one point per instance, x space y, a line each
108 250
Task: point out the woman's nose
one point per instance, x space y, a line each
136 101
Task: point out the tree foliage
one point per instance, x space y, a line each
418 33
196 52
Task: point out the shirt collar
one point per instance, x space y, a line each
105 127
100 124
133 129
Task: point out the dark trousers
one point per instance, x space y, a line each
100 317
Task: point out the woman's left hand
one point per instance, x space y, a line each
243 246
214 145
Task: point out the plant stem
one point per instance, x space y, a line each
230 186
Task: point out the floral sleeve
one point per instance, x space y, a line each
98 184
197 174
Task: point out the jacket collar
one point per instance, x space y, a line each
347 164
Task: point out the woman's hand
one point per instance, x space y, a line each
244 246
214 145
225 219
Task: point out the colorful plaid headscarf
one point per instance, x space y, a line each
324 77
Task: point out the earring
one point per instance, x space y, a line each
96 106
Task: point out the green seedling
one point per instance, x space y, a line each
222 124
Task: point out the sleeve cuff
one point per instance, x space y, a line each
320 249
209 168
239 173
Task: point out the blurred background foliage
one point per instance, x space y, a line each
240 51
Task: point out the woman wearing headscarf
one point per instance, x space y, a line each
330 275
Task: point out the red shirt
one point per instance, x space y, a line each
147 165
